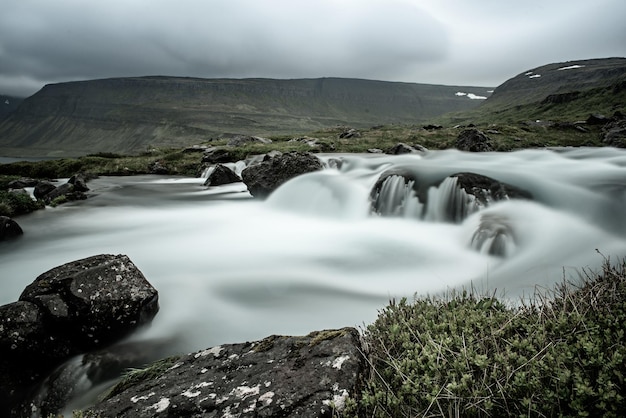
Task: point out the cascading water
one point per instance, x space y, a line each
313 256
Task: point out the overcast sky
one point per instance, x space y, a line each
454 42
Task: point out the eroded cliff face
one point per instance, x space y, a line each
127 115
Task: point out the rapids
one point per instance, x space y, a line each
229 268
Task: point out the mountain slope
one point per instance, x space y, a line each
564 91
129 115
8 104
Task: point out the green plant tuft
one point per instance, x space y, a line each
563 354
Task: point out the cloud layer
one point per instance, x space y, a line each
436 41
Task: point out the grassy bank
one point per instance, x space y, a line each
564 354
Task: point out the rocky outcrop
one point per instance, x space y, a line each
473 140
222 175
614 134
266 176
22 183
279 376
79 306
74 189
9 229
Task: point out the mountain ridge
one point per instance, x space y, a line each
131 114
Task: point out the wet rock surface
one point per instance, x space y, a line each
473 140
71 309
266 176
222 175
9 229
279 376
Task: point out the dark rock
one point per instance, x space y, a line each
218 155
486 189
350 133
265 177
80 182
280 376
79 306
42 189
432 127
240 140
614 134
65 189
595 119
94 301
494 236
9 229
221 175
22 183
402 148
157 167
473 140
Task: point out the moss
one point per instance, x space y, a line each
136 376
319 336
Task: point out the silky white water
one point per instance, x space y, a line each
230 268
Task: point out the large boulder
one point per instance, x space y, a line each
218 155
94 301
280 376
240 140
266 176
71 309
473 140
222 175
9 229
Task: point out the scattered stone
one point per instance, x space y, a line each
9 229
218 155
473 140
240 140
402 148
280 376
157 167
221 175
432 127
265 177
350 133
614 134
80 182
375 151
595 119
22 183
42 189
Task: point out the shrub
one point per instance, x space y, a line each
463 355
12 204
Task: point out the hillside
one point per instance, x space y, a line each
8 104
130 115
566 91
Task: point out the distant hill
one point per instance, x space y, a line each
564 91
8 104
129 115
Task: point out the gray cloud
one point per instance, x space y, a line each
482 42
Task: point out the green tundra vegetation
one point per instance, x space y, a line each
563 353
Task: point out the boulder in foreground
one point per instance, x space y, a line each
279 376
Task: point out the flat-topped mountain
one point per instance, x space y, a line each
129 115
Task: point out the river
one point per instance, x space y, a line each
312 256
